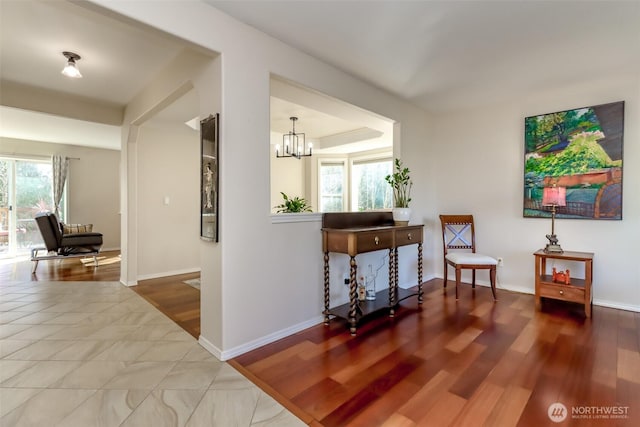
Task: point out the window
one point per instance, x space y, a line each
332 176
355 185
25 190
369 190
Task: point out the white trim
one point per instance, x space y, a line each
616 305
217 353
531 291
259 342
514 288
411 284
283 218
131 283
168 273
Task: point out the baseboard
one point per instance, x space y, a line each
425 278
168 273
616 305
210 347
499 286
514 288
267 339
531 291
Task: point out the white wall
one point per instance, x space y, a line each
480 171
93 184
262 296
168 167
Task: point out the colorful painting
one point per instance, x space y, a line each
580 150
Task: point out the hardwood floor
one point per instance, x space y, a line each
465 363
179 301
447 363
64 269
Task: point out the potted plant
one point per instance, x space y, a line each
401 184
293 204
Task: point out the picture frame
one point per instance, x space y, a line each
580 150
209 167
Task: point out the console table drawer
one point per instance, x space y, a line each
409 236
565 293
369 241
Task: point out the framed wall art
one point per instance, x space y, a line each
580 152
209 166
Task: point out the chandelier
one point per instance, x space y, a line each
294 144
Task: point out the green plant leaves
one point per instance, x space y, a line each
293 205
401 183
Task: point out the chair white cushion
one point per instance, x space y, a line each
470 258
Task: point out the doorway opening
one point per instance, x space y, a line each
25 191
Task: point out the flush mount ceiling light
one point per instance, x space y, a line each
71 69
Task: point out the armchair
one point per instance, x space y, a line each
60 245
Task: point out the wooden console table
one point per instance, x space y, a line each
354 233
578 290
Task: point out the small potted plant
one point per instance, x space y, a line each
293 204
400 182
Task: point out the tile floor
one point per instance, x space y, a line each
97 354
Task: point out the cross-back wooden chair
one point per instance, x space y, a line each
458 238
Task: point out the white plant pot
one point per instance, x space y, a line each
401 216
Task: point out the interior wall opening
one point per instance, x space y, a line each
352 152
168 179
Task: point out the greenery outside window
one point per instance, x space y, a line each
25 191
356 184
369 190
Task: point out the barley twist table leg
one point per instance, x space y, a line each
353 297
326 288
393 276
420 293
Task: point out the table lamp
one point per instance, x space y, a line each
553 196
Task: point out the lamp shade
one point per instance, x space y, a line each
71 70
554 196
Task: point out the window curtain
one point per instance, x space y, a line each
60 168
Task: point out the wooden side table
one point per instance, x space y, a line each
578 290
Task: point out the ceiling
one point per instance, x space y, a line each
439 55
114 72
443 55
33 35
